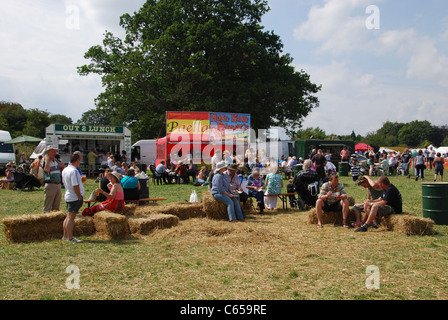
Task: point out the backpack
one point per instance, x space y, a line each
313 188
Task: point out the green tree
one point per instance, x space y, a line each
60 119
15 116
198 55
416 132
310 133
36 123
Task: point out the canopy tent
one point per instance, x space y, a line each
23 139
362 147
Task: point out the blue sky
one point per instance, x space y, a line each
398 72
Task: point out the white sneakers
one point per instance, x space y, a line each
72 240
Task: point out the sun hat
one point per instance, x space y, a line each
51 148
220 166
232 166
116 174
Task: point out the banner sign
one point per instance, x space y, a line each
87 128
207 126
229 126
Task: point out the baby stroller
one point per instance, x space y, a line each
25 180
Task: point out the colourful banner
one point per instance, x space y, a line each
207 126
229 126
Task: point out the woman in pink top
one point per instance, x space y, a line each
115 199
345 154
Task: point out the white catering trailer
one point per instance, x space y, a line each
71 137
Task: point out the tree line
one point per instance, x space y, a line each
32 122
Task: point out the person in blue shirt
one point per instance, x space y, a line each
221 192
131 186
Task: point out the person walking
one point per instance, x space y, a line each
74 193
420 165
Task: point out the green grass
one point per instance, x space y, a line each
274 256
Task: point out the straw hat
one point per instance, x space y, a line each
116 174
51 148
220 166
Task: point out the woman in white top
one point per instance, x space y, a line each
420 165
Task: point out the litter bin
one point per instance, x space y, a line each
435 202
144 188
343 169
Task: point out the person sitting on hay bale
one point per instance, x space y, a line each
221 192
374 192
389 203
333 198
115 199
9 176
234 182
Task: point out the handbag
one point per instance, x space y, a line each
193 197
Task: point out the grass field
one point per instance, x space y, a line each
276 256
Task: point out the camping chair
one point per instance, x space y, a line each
155 175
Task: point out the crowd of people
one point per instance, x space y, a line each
233 180
404 163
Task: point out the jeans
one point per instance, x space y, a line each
259 195
233 206
405 167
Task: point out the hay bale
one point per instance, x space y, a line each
128 210
351 201
213 209
84 226
330 217
37 227
407 224
249 207
111 225
182 210
144 225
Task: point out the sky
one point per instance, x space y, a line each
377 60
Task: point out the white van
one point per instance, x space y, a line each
145 151
42 146
7 153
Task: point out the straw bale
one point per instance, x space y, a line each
330 217
111 225
37 227
128 210
182 210
213 209
249 208
144 225
407 224
351 201
84 226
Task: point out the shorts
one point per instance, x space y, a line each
439 171
384 211
335 207
74 206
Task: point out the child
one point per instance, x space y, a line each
355 170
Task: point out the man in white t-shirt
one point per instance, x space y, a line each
74 193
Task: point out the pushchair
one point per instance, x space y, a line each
24 180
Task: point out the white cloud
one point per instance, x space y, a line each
338 25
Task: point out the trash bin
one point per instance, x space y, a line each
435 202
144 188
343 169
